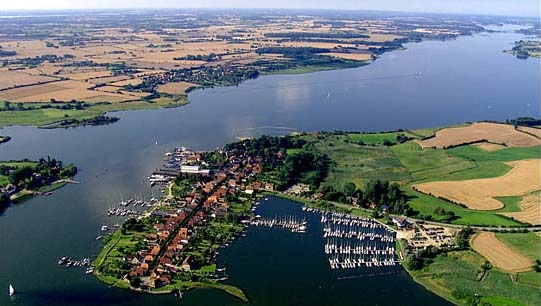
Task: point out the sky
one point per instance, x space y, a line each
484 7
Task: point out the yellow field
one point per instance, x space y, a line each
479 194
10 79
350 56
531 210
81 76
530 130
177 88
492 132
105 80
61 91
500 254
489 147
134 81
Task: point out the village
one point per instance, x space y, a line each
209 203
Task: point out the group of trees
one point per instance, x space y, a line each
98 120
306 167
524 121
35 176
417 260
8 106
462 239
293 52
304 35
200 57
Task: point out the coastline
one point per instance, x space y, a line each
35 117
25 195
169 289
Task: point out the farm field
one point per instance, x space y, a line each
529 210
176 88
527 244
356 163
500 254
530 130
378 138
454 276
479 193
10 79
478 132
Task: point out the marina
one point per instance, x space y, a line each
353 242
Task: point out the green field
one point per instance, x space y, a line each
355 163
527 244
47 116
426 205
453 276
4 180
503 155
377 138
510 204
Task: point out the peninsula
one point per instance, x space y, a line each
450 242
20 180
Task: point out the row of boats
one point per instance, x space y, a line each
354 242
122 212
290 223
136 202
349 263
359 249
158 179
68 262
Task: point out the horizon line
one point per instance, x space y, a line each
263 8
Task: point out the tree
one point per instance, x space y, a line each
462 238
135 282
349 189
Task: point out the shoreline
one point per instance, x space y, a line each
18 117
169 289
25 195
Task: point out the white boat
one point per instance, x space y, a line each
11 290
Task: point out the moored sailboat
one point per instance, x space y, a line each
11 290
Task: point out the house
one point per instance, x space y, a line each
400 222
249 190
186 264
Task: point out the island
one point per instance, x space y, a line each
456 244
526 48
23 179
54 76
